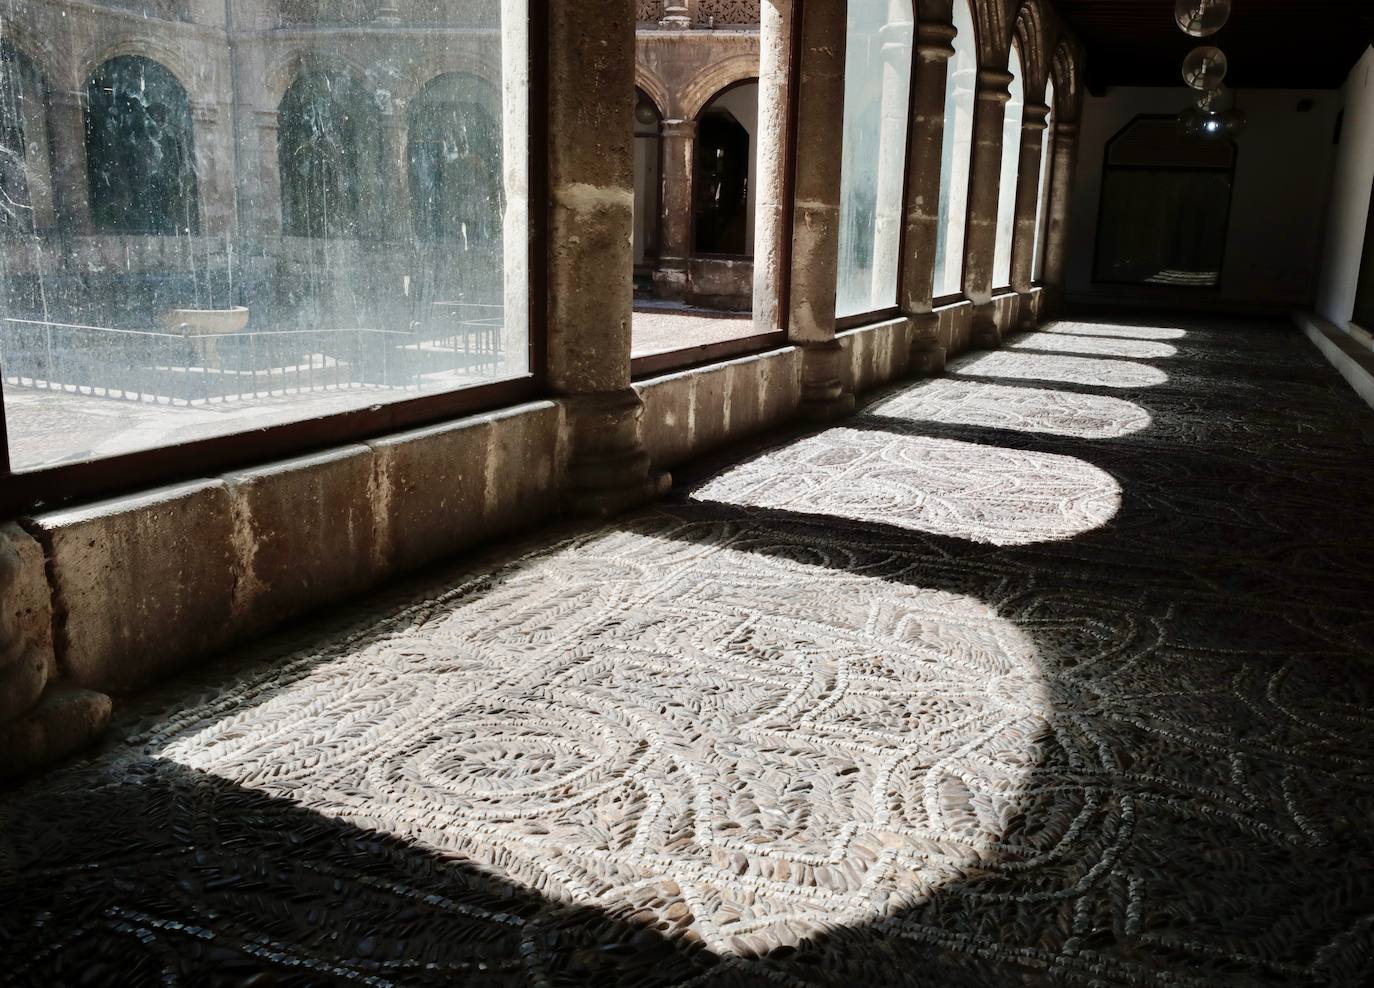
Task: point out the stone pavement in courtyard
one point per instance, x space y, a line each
1054 670
48 426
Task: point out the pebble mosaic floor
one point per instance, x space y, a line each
1055 670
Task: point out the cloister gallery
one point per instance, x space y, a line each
713 492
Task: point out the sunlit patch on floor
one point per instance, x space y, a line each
986 494
1124 332
1090 371
1093 346
792 745
950 401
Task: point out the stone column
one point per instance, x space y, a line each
985 182
771 235
394 171
260 186
676 14
591 253
934 49
1064 161
71 187
816 210
679 138
1027 197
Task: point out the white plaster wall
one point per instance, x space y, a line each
1278 208
1350 193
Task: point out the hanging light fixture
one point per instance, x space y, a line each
1205 68
1214 117
1202 18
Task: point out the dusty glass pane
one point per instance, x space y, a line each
955 154
254 213
877 92
1011 167
1042 204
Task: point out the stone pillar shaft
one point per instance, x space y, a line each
934 49
776 47
985 183
1064 161
394 170
675 244
591 253
71 186
816 209
1027 198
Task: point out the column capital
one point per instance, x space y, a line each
683 129
935 40
994 85
1036 116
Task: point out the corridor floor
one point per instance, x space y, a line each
1057 669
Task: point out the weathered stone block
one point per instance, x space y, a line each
779 387
304 533
666 429
431 492
710 409
62 723
142 583
26 649
525 470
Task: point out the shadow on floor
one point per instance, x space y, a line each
1149 758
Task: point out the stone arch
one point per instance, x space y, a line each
714 80
651 85
994 25
56 67
282 74
134 101
1030 31
169 57
1064 69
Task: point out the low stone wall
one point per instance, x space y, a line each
694 412
111 597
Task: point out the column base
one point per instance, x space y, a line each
823 394
62 723
927 358
610 470
670 284
984 334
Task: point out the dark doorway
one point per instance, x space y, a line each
721 208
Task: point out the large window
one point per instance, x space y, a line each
1011 167
246 225
877 94
957 152
1166 205
1042 202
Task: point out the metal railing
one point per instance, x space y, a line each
460 344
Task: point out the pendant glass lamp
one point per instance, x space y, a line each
1202 18
1205 68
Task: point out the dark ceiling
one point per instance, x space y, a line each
1298 44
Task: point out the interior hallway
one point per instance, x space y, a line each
1055 668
